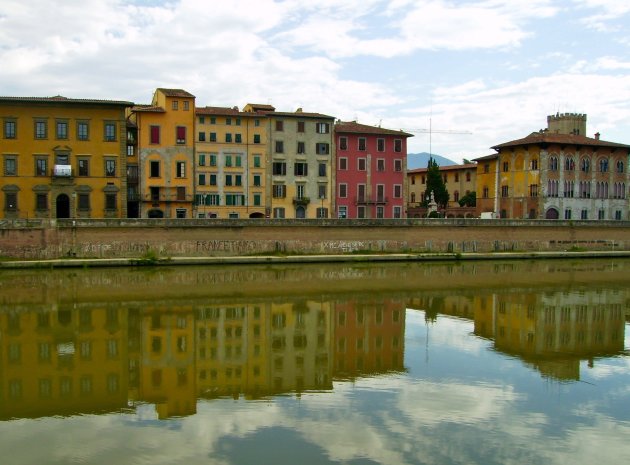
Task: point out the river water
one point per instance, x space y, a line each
457 363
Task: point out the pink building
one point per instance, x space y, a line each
371 171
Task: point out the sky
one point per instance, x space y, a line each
461 75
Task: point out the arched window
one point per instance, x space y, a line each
620 166
585 165
553 164
603 165
569 164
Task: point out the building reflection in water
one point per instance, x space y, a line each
91 342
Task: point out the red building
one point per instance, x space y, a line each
371 171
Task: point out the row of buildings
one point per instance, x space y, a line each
80 158
73 158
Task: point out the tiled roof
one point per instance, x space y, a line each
447 168
227 111
301 114
492 156
59 98
356 128
148 109
176 93
563 139
261 107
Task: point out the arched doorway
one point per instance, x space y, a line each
62 205
155 213
300 212
256 215
552 214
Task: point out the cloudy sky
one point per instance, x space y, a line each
477 72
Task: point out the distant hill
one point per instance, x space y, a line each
421 160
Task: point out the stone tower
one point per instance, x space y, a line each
567 123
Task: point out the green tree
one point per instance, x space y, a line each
469 200
435 184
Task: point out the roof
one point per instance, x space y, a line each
147 108
175 93
261 107
61 99
301 114
234 111
446 168
546 137
356 128
492 156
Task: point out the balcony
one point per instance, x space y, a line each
367 200
167 195
62 171
301 201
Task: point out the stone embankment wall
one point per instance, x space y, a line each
131 238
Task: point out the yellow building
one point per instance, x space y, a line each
165 156
231 155
63 158
487 172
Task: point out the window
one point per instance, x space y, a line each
585 165
397 191
279 168
238 159
567 214
321 191
343 164
10 201
300 126
486 168
213 137
467 176
322 148
110 167
110 202
279 191
456 196
534 164
213 159
110 132
10 129
398 145
321 169
279 146
256 161
603 165
238 138
278 212
154 134
238 121
533 190
256 138
397 212
62 129
343 212
41 202
257 200
41 166
10 166
180 134
553 164
186 105
380 145
456 175
361 165
175 104
84 202
257 180
228 160
485 192
154 168
201 179
506 167
181 169
584 214
228 121
279 125
343 191
228 179
181 194
202 136
504 191
362 144
213 120
397 165
301 147
41 129
300 169
380 164
202 159
619 166
213 179
238 180
84 166
322 128
343 143
569 164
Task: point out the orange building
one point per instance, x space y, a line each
165 154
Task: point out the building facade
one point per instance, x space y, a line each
63 158
231 154
370 171
299 168
557 175
165 154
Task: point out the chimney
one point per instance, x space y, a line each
597 136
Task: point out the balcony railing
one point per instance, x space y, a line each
368 200
301 201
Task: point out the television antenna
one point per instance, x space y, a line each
432 131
